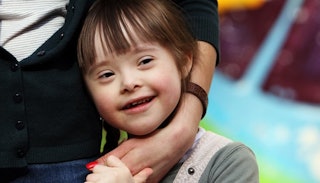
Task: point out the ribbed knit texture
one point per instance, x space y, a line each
208 145
33 20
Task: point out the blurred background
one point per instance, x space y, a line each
266 91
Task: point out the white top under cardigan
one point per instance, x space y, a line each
21 16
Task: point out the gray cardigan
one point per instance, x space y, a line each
216 159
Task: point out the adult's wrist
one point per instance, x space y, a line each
200 93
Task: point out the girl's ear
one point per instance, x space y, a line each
188 66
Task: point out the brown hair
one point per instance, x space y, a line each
151 21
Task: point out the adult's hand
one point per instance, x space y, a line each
163 148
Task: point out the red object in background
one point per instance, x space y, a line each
242 33
296 71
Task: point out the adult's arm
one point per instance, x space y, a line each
162 149
202 17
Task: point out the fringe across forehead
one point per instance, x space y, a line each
124 35
121 24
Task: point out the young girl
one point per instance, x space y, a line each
136 56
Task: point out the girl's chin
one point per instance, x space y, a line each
138 132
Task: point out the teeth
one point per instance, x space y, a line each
138 103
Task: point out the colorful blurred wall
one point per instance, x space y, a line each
266 91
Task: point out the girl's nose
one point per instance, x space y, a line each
129 84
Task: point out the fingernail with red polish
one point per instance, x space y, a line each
91 165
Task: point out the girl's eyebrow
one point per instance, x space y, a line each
135 50
143 48
97 64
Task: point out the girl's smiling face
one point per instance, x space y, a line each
137 90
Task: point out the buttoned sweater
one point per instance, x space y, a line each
216 159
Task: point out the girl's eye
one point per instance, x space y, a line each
145 61
106 74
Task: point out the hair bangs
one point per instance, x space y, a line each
122 25
127 29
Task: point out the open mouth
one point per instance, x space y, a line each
138 103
